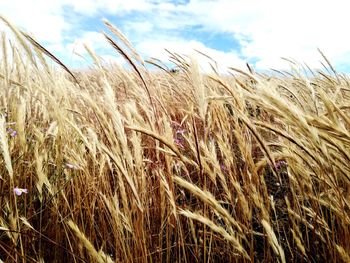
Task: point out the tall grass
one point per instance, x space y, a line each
138 166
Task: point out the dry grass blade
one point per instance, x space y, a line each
4 57
4 147
208 198
249 75
273 240
102 155
121 36
12 81
132 64
170 195
298 242
49 54
217 229
26 223
20 39
260 140
251 70
157 64
215 67
127 177
285 135
94 57
200 90
166 142
328 62
345 256
98 257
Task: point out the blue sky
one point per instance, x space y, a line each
232 32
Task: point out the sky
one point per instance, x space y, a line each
232 32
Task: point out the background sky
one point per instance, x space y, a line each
231 32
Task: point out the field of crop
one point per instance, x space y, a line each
130 165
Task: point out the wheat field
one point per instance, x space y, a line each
119 164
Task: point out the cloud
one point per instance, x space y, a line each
113 59
264 31
97 43
56 22
268 30
155 48
137 27
44 19
92 7
94 40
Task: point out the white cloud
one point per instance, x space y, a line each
113 59
156 48
92 7
138 27
266 30
52 21
94 40
97 43
44 19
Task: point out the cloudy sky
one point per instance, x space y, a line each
232 32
